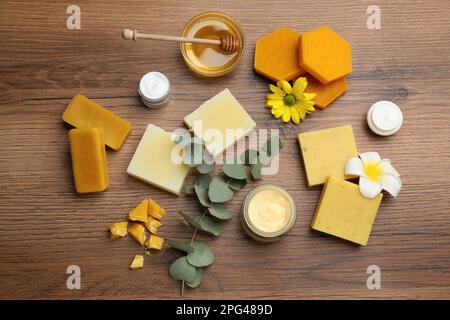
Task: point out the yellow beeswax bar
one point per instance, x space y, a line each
220 121
90 171
82 112
343 212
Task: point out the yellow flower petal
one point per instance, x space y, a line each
278 112
276 90
274 96
306 96
286 86
295 115
287 114
275 103
301 111
299 85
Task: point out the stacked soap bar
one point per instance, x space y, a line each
342 210
96 127
326 152
82 112
155 161
90 171
321 55
220 121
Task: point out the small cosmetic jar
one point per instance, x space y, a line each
154 89
384 118
268 213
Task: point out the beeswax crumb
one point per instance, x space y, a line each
155 210
140 212
155 242
152 225
118 229
137 231
137 263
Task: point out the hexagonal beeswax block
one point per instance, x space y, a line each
153 163
325 93
326 152
344 212
325 54
276 55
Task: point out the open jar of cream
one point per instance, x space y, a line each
268 213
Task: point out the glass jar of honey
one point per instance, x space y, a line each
209 60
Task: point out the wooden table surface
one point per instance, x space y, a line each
45 226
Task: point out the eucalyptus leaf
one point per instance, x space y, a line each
219 190
193 154
198 278
189 189
185 247
202 180
207 224
272 146
202 255
237 184
205 167
182 270
202 195
256 171
234 170
249 156
219 212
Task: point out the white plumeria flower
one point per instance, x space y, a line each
374 174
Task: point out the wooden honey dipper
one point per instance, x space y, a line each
227 43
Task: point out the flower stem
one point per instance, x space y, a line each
196 229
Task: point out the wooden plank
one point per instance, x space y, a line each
46 226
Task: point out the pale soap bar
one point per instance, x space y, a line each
343 212
82 112
152 162
87 148
217 116
326 152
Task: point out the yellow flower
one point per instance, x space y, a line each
289 102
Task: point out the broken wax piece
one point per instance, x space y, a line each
326 152
82 112
87 149
118 229
140 212
152 161
137 231
155 242
220 122
153 225
138 262
343 212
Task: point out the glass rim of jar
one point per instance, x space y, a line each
215 73
264 234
